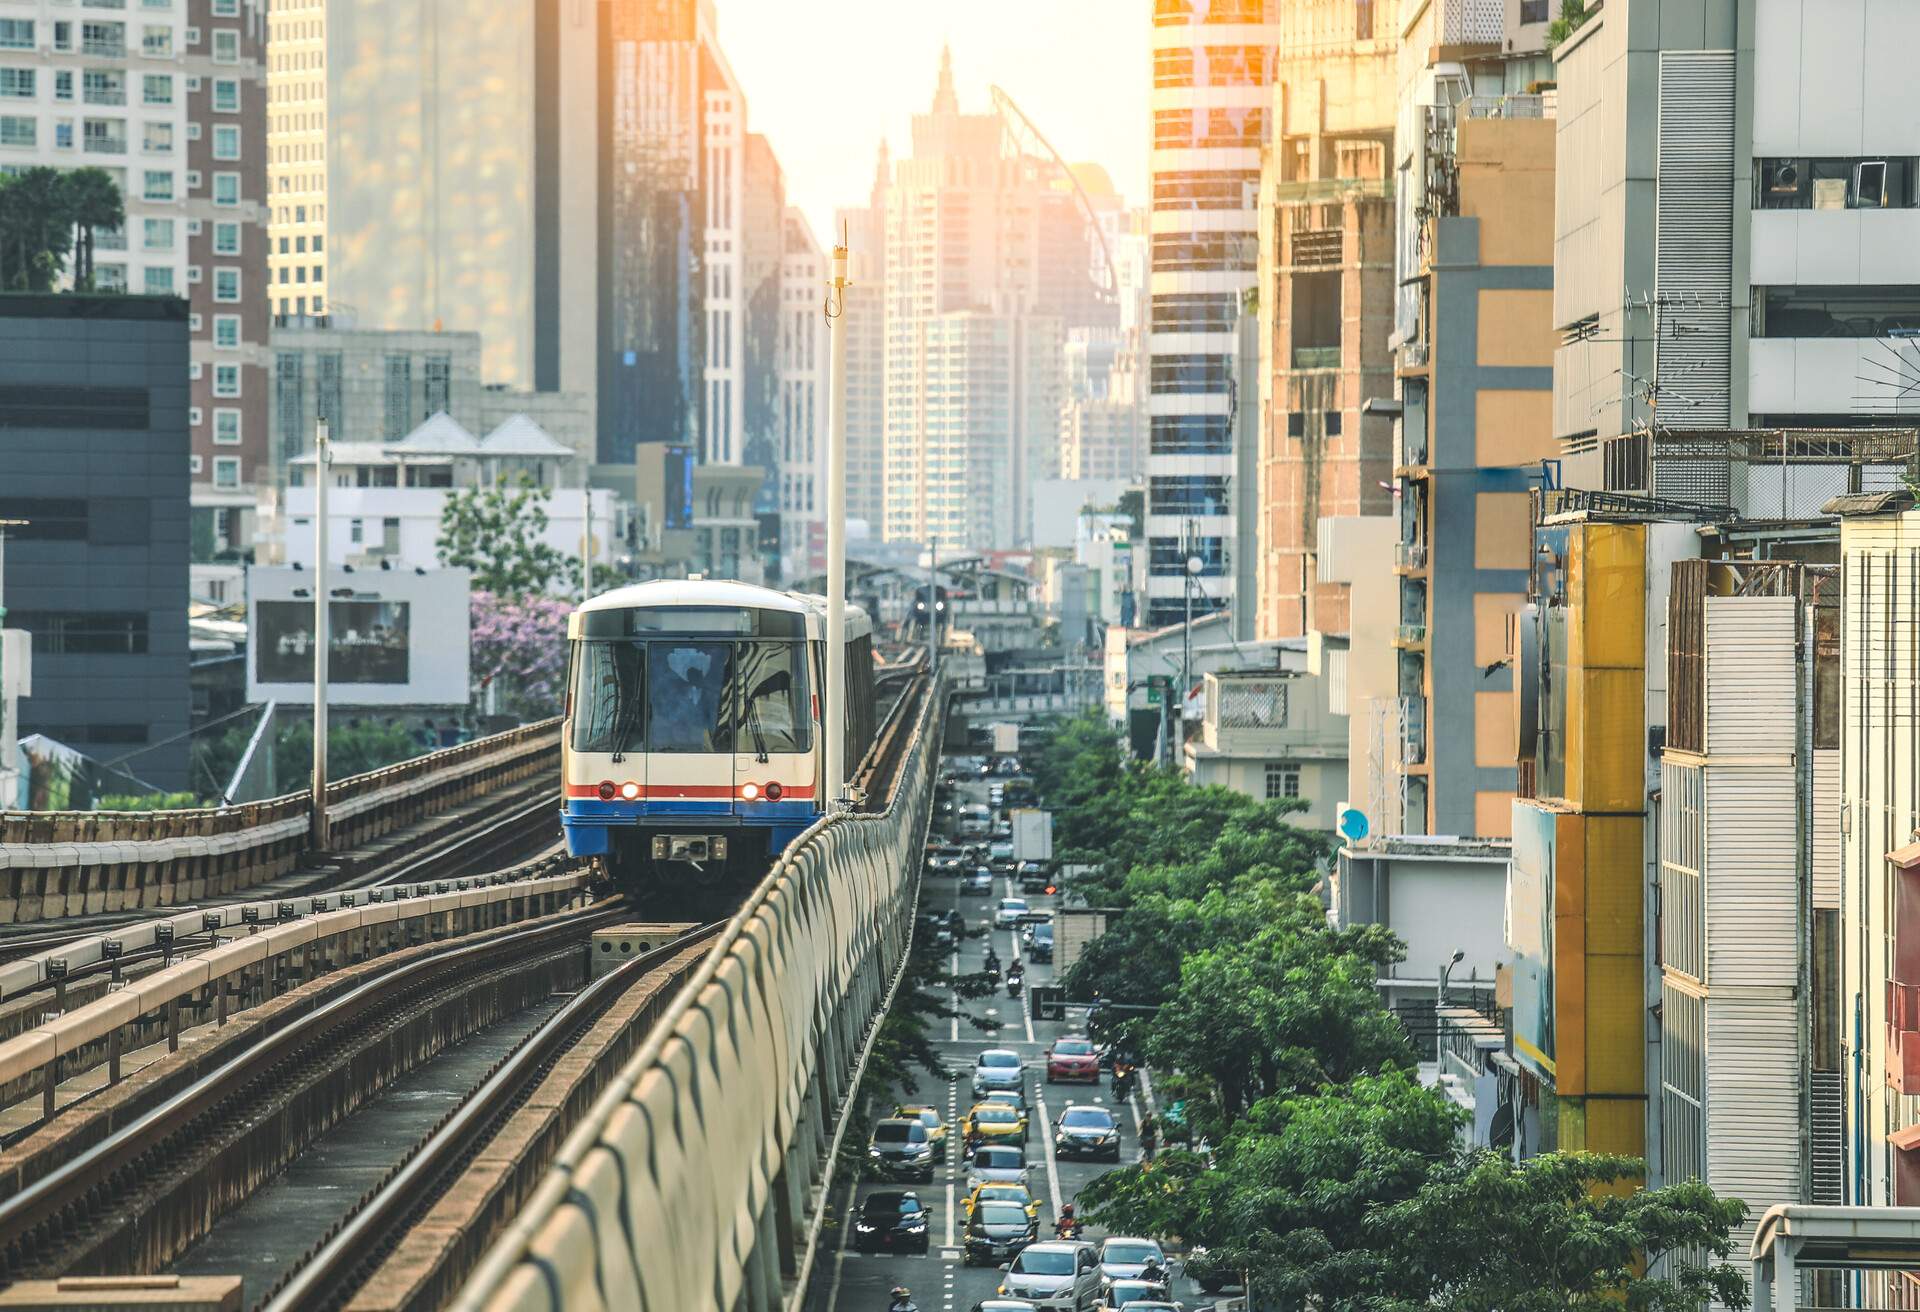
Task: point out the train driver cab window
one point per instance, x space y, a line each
774 698
607 702
688 695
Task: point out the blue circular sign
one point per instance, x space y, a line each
1353 824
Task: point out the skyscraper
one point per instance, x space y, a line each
865 231
297 158
1212 66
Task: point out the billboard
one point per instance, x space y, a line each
395 637
1530 913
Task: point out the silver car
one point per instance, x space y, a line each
1058 1275
1124 1258
993 1163
997 1068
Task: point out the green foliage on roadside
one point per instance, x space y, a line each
147 802
48 214
496 532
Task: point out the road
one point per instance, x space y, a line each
940 1282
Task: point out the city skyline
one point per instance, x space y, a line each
826 131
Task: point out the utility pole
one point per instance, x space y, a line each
9 736
322 640
836 727
1193 567
586 546
933 606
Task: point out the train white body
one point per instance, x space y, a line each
693 744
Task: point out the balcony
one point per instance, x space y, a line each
106 145
1470 22
1409 636
1316 357
1413 731
1409 557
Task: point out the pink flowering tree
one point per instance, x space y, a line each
519 654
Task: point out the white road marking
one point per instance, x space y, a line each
1046 1148
840 1258
1026 1012
948 1241
954 1033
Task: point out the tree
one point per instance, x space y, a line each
36 230
496 532
519 647
91 200
1556 1233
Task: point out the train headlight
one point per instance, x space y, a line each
606 790
749 791
629 791
773 792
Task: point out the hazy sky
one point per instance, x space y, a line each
826 79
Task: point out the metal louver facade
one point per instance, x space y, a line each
1693 254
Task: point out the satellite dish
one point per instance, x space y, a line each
1353 824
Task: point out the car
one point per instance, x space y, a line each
1001 1193
1010 914
994 1121
890 1222
998 1068
947 861
997 1232
1040 941
996 1163
901 1150
1137 1294
1060 1275
1073 1058
1003 1305
1034 877
1014 1098
1085 1130
927 1116
977 884
1123 1257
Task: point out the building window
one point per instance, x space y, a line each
1188 494
193 416
226 379
1190 374
156 42
439 377
226 8
226 331
193 464
156 88
63 36
226 237
1871 310
1282 781
157 185
157 138
1876 183
226 95
16 130
16 34
63 84
226 189
289 411
226 284
79 632
1536 11
17 83
1316 320
226 143
399 396
226 471
226 426
158 280
226 46
104 136
108 40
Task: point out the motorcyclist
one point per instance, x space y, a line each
1014 982
1068 1225
1154 1272
902 1300
1122 1080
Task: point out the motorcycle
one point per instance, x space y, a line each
1013 986
1067 1227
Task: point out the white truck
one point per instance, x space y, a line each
1032 834
1006 740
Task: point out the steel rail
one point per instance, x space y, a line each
331 1276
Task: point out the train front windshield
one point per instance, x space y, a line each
691 694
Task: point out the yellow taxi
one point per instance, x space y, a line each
994 1121
1002 1193
927 1116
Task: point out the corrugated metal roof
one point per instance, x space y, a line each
1869 503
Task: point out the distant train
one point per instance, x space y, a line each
692 749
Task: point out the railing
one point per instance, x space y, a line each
106 145
116 860
703 1171
1410 555
1410 635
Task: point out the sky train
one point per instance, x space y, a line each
692 748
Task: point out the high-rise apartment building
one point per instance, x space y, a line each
1325 297
472 202
801 477
988 262
297 158
864 229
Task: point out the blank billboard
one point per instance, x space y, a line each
396 637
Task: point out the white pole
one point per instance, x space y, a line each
834 785
586 548
933 607
321 639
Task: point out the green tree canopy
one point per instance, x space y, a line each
496 532
91 201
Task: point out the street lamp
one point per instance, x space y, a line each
322 640
1440 997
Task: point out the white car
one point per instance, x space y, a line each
993 1163
1058 1275
1124 1258
998 1068
1011 913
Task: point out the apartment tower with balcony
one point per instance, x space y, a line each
1213 63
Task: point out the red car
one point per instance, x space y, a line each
1073 1059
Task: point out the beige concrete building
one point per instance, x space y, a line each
297 158
1269 735
1325 289
1359 668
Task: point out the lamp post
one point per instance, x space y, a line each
322 641
836 710
1440 998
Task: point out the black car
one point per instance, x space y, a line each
996 1232
1034 877
890 1223
1084 1130
1040 942
901 1150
